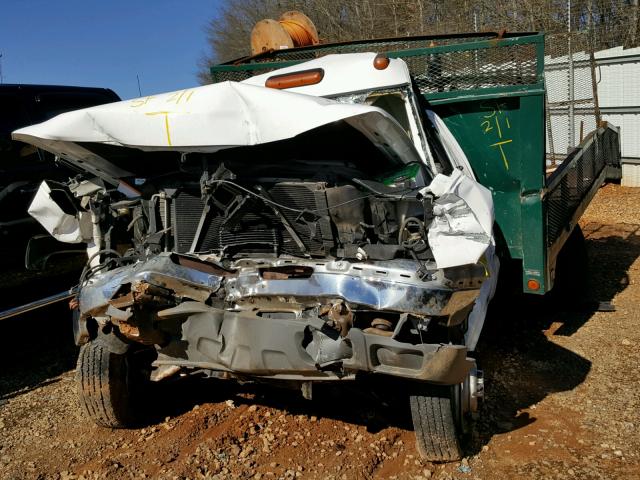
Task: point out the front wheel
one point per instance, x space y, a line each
109 385
434 421
440 417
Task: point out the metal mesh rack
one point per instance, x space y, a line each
448 71
438 64
570 185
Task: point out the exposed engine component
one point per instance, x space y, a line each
238 223
339 316
380 326
306 219
226 236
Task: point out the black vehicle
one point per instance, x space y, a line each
22 166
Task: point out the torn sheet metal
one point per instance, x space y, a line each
62 226
159 270
462 228
451 146
391 286
208 119
482 205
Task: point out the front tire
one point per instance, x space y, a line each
107 385
441 416
436 416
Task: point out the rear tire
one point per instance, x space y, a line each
436 416
106 385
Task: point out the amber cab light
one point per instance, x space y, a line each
533 284
381 61
296 79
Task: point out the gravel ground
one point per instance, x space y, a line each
562 397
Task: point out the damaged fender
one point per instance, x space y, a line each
62 226
462 228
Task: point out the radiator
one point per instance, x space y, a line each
256 228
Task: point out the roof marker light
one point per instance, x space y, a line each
381 61
295 79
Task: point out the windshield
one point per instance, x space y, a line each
401 104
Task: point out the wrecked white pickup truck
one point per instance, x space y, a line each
311 224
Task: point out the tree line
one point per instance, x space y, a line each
596 24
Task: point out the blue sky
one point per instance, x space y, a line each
105 43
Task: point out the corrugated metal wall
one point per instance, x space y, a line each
619 95
617 76
558 101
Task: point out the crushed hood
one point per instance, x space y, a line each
207 119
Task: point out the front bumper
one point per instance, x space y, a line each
244 343
163 301
392 286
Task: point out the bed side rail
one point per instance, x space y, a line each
573 185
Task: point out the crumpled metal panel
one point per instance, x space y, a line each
389 285
160 270
374 293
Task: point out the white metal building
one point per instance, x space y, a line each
617 76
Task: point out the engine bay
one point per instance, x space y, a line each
312 202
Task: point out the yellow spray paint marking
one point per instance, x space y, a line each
495 113
166 123
498 125
504 157
176 97
497 108
485 263
166 127
139 102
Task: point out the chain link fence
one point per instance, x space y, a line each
581 30
571 93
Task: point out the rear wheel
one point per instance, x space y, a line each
109 385
572 270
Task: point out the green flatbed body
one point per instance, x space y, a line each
489 90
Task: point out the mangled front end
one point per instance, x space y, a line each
367 309
330 251
314 319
